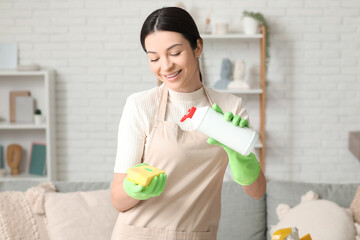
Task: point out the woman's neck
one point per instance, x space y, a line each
187 89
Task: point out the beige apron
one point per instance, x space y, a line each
189 207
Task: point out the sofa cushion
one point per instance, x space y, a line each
242 217
290 192
77 214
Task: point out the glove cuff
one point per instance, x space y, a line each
250 175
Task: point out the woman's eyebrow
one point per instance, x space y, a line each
174 45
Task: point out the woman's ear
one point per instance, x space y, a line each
199 47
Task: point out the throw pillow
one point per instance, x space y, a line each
22 213
355 206
80 215
322 219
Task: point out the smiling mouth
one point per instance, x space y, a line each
172 75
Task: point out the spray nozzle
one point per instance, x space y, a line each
191 112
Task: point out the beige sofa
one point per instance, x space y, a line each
82 210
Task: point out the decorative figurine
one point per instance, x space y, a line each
224 75
239 76
208 22
13 158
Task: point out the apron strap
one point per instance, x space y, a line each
208 96
162 104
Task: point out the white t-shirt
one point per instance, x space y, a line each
140 111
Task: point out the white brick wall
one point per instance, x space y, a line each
313 94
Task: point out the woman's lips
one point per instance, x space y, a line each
172 76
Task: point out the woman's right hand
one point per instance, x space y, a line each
137 191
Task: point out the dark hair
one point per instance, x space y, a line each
171 19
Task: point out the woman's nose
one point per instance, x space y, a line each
166 64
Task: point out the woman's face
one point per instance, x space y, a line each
173 61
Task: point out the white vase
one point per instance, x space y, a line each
37 119
222 28
251 26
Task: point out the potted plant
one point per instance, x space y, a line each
252 21
250 24
37 117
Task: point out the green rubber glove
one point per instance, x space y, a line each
155 187
245 169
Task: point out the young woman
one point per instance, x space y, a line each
184 203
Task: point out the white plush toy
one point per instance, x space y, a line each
322 219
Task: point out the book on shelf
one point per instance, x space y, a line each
37 159
24 111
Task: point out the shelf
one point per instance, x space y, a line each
22 73
41 85
241 91
22 177
231 36
7 125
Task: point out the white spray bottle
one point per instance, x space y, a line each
213 124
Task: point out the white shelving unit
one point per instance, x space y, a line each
231 36
41 86
242 91
260 91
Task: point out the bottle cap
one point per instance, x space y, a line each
191 112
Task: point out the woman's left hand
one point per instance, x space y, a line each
229 116
245 169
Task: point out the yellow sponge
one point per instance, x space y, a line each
289 233
306 237
143 174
